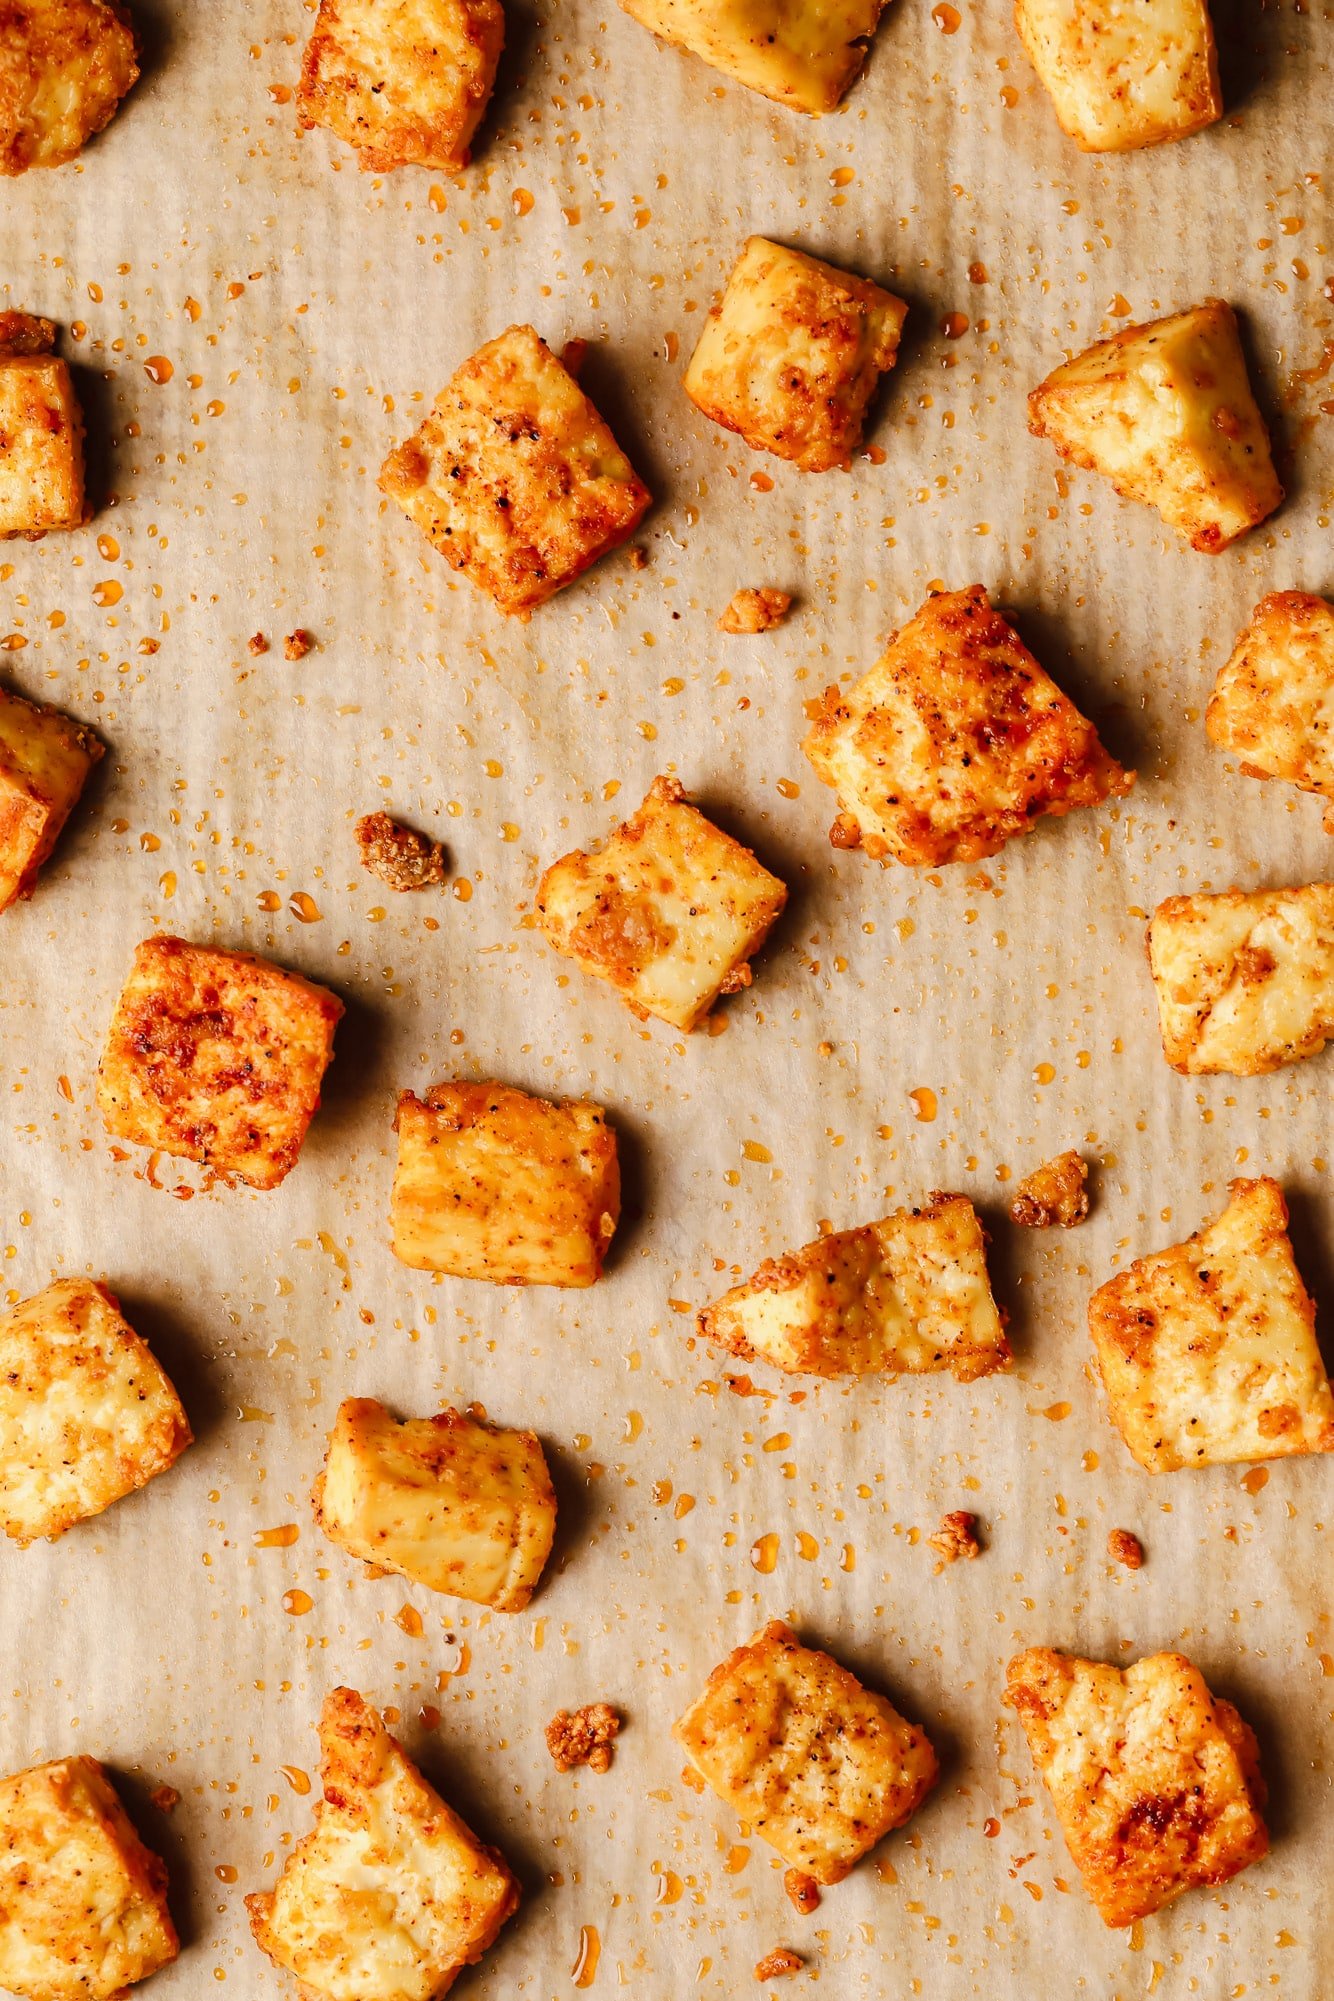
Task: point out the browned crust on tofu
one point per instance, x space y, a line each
1053 1196
757 609
94 43
399 855
25 333
1124 1547
336 92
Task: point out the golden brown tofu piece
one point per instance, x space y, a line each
1124 1547
814 1762
956 1537
457 1505
1124 73
955 741
64 67
803 53
1207 1350
1165 411
399 855
1156 1783
403 81
41 426
514 476
494 1184
791 355
83 1903
1245 979
390 1896
1054 1195
45 759
902 1296
584 1737
755 610
669 911
1273 701
216 1057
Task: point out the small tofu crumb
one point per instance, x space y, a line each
782 1960
1123 1547
756 610
399 855
297 645
1055 1193
257 644
802 1890
584 1737
165 1798
956 1537
638 558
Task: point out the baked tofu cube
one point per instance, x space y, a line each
1124 73
1207 1351
41 424
1273 701
87 1414
804 53
406 84
389 1896
64 67
514 476
83 1903
814 1762
899 1297
459 1506
1245 979
216 1057
494 1184
954 742
791 355
1165 412
669 911
45 759
1156 1783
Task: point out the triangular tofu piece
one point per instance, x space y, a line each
1166 412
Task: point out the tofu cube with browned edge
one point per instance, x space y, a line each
216 1057
45 759
803 53
390 1896
405 82
462 1507
1155 1781
956 741
791 355
1273 701
514 476
669 911
1124 73
904 1296
65 65
494 1184
1165 411
816 1764
1207 1351
41 425
1245 978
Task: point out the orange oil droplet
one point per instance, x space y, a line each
662 1492
842 177
1009 98
764 1554
149 843
66 1089
977 274
1120 307
166 883
585 1969
1090 1462
158 369
521 202
1056 1411
462 889
225 1873
684 1503
437 198
108 591
1044 1073
991 1828
304 906
269 899
1257 1477
298 1603
409 1620
807 1547
634 1425
946 18
670 1887
754 1151
298 1780
737 1858
789 788
108 548
924 1101
954 325
279 1538
848 1558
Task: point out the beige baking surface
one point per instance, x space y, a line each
613 187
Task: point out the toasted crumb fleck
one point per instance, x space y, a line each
638 557
956 1537
780 1961
257 644
1055 1193
1123 1547
756 610
164 1798
399 855
584 1737
803 1891
297 645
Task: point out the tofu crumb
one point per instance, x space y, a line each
638 557
584 1737
1054 1194
803 1891
297 645
257 644
26 333
165 1798
399 855
1123 1547
756 610
782 1960
956 1537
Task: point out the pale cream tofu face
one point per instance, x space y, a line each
803 53
1124 73
1273 702
1245 980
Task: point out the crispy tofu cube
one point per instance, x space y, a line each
1207 1351
1124 73
955 741
390 1895
404 81
791 355
514 476
804 53
83 1903
87 1414
41 424
45 759
1156 1783
1273 701
1053 1195
64 67
459 1506
814 1762
216 1057
494 1184
669 911
1165 412
899 1297
1245 979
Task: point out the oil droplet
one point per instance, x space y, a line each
886 1871
279 1538
670 1886
304 906
991 1828
108 548
462 1662
1120 307
761 482
1009 98
409 1620
225 1873
946 18
684 1503
65 1088
1257 1477
1056 1411
436 197
1044 1073
522 202
250 1413
167 883
1136 1939
298 1603
789 788
269 899
158 369
634 1424
1090 1462
462 889
298 1780
924 1099
848 1558
108 592
954 325
977 274
842 177
754 1151
764 1554
807 1547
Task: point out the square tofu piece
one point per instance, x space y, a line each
791 355
794 1744
1207 1351
41 425
459 1506
1245 979
390 1896
955 741
217 1057
1156 1783
514 476
64 67
83 1904
1165 412
805 53
404 81
494 1184
1273 702
45 759
900 1297
1124 73
87 1414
